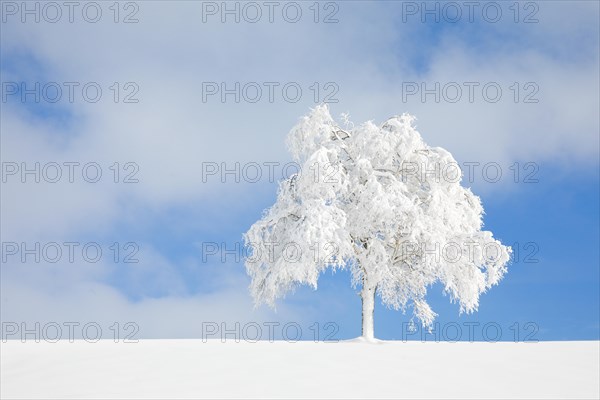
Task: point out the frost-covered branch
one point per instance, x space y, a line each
397 229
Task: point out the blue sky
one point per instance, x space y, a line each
369 54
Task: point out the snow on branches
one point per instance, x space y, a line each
378 201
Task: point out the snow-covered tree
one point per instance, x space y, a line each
381 202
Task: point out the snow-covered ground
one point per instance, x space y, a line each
191 368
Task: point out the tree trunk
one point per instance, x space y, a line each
368 305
